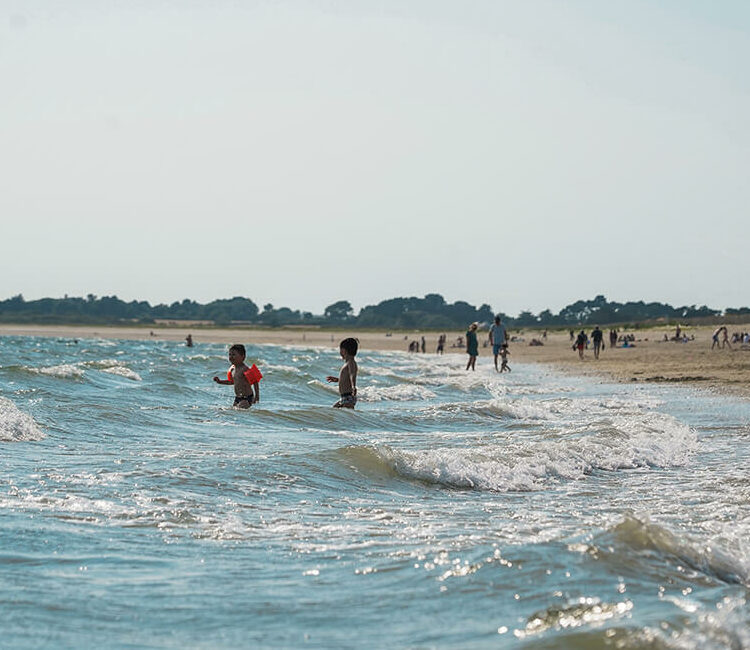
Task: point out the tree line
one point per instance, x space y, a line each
430 312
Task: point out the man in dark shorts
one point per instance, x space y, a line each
597 337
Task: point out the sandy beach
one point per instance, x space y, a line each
650 360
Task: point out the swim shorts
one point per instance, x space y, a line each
496 348
242 398
347 400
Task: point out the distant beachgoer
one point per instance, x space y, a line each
572 335
424 345
498 336
677 332
504 352
597 337
189 340
612 338
244 379
347 379
715 337
472 346
725 339
580 343
440 344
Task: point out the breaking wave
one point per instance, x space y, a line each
15 425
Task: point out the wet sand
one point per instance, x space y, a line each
651 360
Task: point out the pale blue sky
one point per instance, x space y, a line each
524 154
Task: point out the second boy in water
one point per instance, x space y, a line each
347 379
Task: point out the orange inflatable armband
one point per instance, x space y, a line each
252 374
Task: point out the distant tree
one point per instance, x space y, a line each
339 311
525 319
546 318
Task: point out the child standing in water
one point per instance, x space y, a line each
504 352
245 381
347 379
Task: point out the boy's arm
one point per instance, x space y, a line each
256 388
225 382
353 377
331 379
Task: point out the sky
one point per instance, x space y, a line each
520 154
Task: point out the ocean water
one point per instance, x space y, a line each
450 510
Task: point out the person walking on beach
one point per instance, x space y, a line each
597 337
613 338
725 338
472 346
347 379
498 336
424 345
715 338
580 344
441 344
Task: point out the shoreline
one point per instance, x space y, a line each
651 360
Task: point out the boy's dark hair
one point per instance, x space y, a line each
350 346
240 348
497 319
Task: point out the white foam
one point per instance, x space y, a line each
331 388
663 442
103 363
64 371
15 425
399 393
281 368
122 371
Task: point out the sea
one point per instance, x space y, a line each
451 509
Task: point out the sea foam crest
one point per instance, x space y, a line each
15 425
527 465
122 371
63 371
398 393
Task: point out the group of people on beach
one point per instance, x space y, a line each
597 339
742 338
421 345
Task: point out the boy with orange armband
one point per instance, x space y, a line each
244 379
